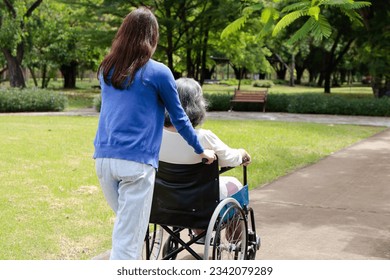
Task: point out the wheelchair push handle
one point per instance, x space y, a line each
244 170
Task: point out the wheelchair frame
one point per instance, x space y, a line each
219 243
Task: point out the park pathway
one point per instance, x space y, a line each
337 209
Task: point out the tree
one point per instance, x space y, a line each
375 46
187 30
76 46
43 31
187 33
277 16
246 51
14 15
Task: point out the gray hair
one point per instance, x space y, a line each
192 101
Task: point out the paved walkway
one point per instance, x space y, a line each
338 208
286 117
359 120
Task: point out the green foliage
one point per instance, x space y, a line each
218 101
278 102
263 84
246 49
234 82
306 104
31 100
280 82
317 24
11 31
97 103
336 105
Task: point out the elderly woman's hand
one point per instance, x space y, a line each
246 158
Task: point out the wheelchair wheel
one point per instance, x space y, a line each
227 234
169 246
153 241
254 242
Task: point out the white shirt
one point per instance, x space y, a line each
174 149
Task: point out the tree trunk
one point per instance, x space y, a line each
190 66
204 57
380 90
169 49
239 80
69 72
32 71
334 60
44 72
237 72
16 77
291 70
320 80
281 73
299 71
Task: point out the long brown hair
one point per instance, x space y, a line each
132 47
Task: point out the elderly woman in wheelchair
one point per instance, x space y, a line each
191 195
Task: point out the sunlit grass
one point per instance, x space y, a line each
278 148
51 205
350 91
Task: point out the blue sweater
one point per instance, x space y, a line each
131 120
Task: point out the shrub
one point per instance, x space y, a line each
97 102
218 101
278 102
234 82
300 103
337 105
263 84
280 82
31 100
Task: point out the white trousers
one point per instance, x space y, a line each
128 188
228 186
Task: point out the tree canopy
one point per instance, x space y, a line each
255 36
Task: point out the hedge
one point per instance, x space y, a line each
31 100
306 104
300 103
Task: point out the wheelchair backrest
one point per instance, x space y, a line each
185 195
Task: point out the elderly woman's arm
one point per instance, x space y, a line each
226 156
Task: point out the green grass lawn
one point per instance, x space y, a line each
51 206
350 91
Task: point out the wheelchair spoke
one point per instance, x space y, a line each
153 242
229 233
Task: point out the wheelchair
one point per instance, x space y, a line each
186 198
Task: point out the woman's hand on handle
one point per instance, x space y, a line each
208 155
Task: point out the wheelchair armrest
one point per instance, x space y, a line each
244 175
225 169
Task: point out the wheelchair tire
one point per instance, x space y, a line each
254 242
227 233
153 242
169 246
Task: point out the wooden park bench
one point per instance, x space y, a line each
245 96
